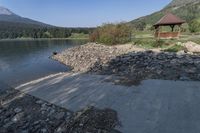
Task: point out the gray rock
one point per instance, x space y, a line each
7 125
60 130
17 110
24 131
39 102
59 115
184 78
17 117
52 111
36 122
44 130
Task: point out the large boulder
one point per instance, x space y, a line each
192 47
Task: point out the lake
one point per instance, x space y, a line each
22 61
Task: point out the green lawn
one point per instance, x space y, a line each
79 36
146 40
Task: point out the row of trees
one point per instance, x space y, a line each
19 30
112 34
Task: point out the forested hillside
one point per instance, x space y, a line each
186 9
20 30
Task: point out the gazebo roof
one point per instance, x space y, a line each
169 19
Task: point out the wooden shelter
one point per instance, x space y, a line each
171 21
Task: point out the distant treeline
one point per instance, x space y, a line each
20 30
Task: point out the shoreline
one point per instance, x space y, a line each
131 63
41 39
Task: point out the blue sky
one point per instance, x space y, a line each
83 13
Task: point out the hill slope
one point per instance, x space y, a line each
177 3
186 9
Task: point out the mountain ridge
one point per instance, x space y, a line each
7 15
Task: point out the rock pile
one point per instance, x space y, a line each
93 120
151 65
82 58
21 113
132 63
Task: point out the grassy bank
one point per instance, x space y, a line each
147 41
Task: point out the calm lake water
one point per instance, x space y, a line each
22 61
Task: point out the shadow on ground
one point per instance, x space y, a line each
134 67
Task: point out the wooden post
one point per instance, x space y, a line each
156 32
159 32
172 27
179 30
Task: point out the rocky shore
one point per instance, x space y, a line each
22 113
84 57
131 63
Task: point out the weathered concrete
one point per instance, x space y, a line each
156 106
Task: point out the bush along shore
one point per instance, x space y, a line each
132 63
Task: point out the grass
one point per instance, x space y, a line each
142 34
174 48
79 36
146 40
149 43
165 45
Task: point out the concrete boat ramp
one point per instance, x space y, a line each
155 106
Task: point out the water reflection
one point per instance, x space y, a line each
22 61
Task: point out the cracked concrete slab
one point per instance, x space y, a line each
155 106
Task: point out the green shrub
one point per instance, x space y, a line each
174 48
159 43
194 26
112 34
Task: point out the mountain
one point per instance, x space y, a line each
4 11
8 16
185 9
14 26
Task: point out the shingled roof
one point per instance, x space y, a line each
169 19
